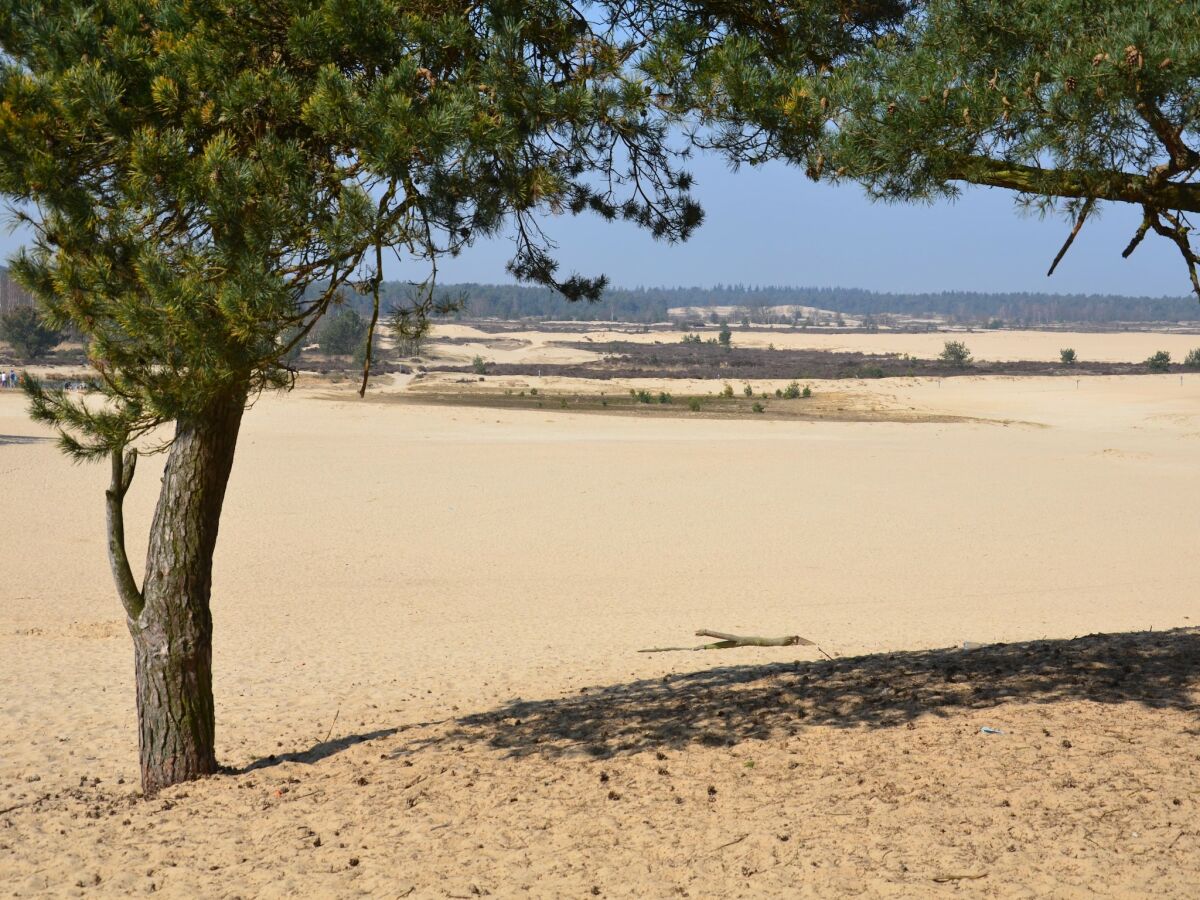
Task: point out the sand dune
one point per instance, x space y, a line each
416 605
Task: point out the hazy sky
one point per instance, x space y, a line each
771 226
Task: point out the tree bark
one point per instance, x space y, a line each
172 633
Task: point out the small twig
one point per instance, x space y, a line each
1177 837
309 794
736 840
1083 214
942 879
18 806
329 733
823 653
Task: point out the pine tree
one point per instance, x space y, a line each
205 179
1069 104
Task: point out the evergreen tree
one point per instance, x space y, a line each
204 179
25 331
1068 104
342 332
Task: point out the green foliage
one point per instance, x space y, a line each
955 353
643 396
1066 103
517 301
725 336
748 391
342 332
1159 362
792 391
806 393
1067 356
27 333
691 339
664 397
694 404
202 179
479 365
758 407
727 391
1192 360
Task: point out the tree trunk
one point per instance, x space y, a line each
172 634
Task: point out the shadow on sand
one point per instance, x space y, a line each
21 439
317 752
724 706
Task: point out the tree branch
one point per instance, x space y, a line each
728 641
123 467
1117 186
1083 214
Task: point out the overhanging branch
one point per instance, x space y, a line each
1116 186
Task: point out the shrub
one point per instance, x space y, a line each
758 407
748 391
806 393
694 404
479 366
955 353
1192 360
778 393
342 332
725 336
29 336
533 392
792 391
1159 362
727 391
691 339
664 397
1067 356
643 396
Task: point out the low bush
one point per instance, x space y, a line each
1159 362
955 353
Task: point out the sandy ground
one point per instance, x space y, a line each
997 346
427 680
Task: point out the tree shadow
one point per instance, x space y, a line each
317 752
726 705
21 439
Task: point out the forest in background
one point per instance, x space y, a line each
485 301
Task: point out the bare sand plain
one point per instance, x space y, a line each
994 345
427 680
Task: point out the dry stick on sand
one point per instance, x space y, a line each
726 641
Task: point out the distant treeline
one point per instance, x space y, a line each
652 304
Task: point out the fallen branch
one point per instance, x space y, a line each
726 641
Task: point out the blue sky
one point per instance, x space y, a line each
773 226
